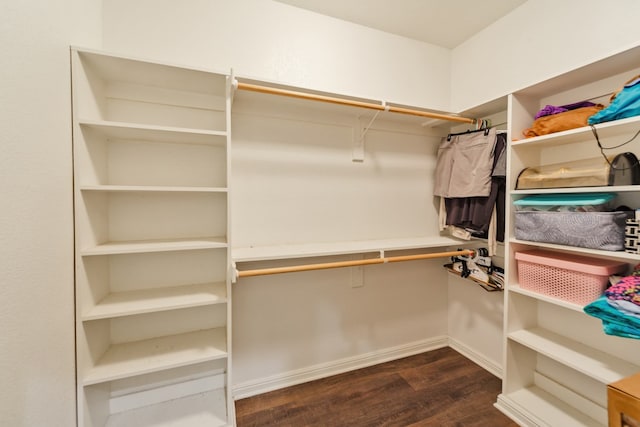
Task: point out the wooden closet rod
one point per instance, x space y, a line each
354 263
341 101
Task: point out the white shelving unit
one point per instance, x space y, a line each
151 168
557 359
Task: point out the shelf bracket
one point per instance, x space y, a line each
233 86
234 273
358 142
361 132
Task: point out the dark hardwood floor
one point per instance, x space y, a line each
437 388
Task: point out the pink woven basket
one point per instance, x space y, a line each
571 278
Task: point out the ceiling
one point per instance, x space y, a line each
445 23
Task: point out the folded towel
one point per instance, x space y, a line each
620 330
625 307
624 103
614 322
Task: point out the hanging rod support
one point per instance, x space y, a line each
352 263
350 102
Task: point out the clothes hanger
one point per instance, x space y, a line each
485 130
483 125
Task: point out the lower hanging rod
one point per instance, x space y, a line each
353 263
353 103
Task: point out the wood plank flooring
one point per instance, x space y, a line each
437 388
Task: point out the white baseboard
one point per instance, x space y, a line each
504 405
299 376
476 357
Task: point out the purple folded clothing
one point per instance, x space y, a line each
549 110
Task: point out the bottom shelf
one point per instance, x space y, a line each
198 410
533 406
189 396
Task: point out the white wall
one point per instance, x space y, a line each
539 40
294 182
37 370
290 328
475 322
285 324
273 41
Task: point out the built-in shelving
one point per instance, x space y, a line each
605 189
153 312
514 287
535 406
149 188
620 128
133 132
596 364
557 359
620 255
202 409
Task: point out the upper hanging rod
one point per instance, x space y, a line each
353 263
353 103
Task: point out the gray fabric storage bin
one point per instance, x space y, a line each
594 230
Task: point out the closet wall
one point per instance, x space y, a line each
37 353
295 183
300 185
537 41
475 314
273 41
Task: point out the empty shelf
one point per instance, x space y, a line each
158 299
156 354
141 246
544 408
596 364
202 409
144 132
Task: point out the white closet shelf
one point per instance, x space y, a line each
620 255
593 363
157 354
571 306
143 132
148 72
603 189
555 412
197 410
616 128
152 188
157 299
164 245
266 253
